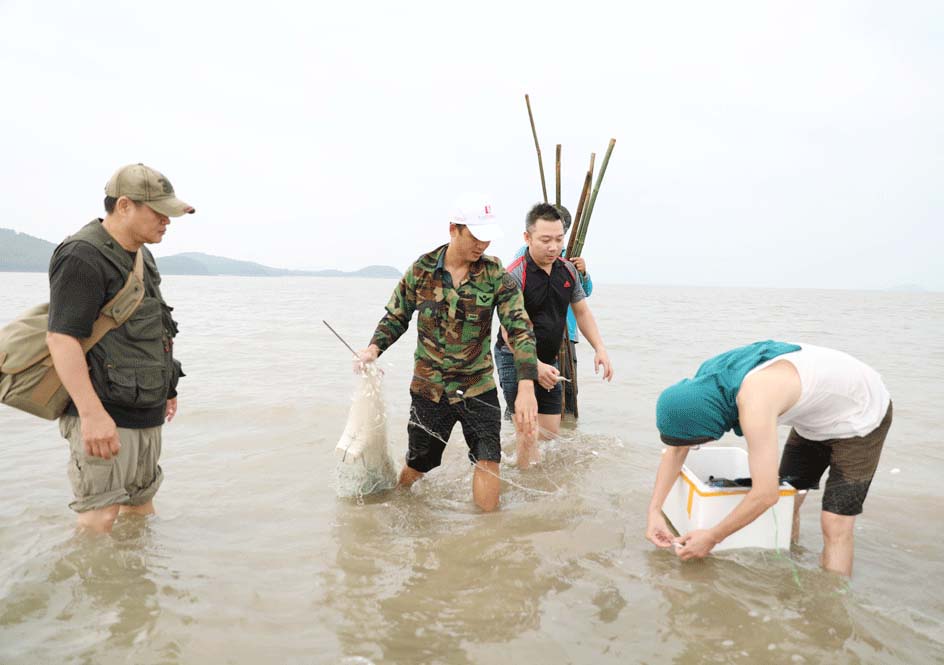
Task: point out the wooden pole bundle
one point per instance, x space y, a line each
570 363
584 193
585 222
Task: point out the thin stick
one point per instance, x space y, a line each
557 198
593 199
537 147
340 338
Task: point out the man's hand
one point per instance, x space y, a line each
171 409
547 376
580 265
526 408
696 544
657 531
365 357
601 358
99 435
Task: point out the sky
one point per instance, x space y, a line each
768 144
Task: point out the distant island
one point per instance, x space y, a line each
20 252
907 288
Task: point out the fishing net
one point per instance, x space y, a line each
364 464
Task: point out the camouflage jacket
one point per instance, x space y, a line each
454 325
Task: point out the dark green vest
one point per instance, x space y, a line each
133 365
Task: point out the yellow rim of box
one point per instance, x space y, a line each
692 490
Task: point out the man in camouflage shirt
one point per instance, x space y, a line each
455 289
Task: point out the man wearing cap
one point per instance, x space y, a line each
551 288
503 362
126 386
840 412
455 289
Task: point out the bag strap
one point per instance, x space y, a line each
105 323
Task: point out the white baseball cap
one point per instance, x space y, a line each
475 211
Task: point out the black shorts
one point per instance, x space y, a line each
431 424
549 401
852 463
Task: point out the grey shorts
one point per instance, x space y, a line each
851 463
130 479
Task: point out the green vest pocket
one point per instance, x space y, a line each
136 386
147 322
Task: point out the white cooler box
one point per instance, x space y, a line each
692 504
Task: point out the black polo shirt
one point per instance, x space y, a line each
546 299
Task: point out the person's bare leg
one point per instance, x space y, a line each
486 485
549 425
838 542
143 509
408 476
795 534
99 520
527 450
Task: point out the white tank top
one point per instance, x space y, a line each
840 396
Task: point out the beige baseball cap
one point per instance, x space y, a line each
143 184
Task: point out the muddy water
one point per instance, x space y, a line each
254 559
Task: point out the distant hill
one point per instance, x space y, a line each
20 252
23 253
197 263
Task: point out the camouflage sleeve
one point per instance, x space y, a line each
400 309
514 318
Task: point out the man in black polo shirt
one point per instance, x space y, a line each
550 284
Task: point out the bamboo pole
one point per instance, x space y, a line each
578 247
557 197
537 147
569 362
584 193
583 218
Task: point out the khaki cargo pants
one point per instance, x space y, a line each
130 479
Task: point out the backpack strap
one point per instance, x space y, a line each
113 314
120 308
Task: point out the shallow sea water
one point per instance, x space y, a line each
254 559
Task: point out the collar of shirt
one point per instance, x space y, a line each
441 261
474 269
534 267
